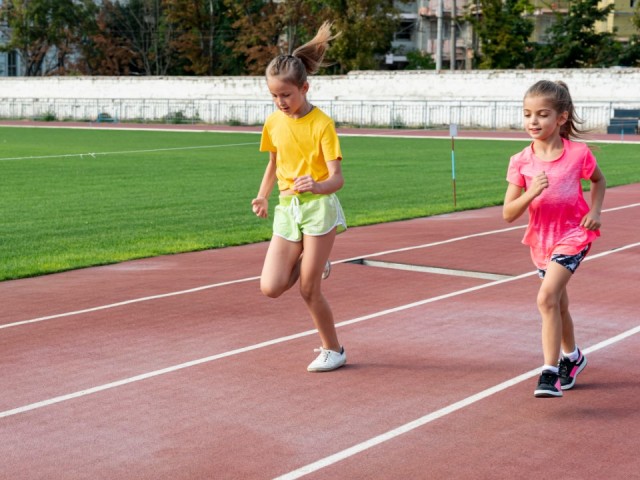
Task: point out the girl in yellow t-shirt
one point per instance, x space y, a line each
305 160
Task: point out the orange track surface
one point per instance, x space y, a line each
177 367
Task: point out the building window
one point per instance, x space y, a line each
406 29
12 64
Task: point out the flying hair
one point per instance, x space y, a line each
305 60
558 94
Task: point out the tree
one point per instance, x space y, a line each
203 30
264 29
141 27
630 55
416 60
367 28
503 32
573 41
108 50
257 33
46 33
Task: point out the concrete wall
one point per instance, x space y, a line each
592 85
405 99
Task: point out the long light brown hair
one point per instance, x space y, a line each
558 94
305 60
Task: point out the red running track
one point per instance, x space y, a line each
177 368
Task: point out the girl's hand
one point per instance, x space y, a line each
260 206
591 221
540 182
305 184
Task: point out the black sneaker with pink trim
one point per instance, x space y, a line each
548 385
568 370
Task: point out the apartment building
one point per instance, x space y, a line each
427 26
620 19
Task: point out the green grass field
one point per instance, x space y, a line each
75 198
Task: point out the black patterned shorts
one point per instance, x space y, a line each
570 262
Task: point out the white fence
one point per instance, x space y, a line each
494 115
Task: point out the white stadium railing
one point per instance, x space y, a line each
493 115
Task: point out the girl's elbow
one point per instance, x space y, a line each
337 182
508 217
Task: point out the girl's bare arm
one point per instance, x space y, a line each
516 201
330 185
260 204
591 220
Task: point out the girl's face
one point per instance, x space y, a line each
289 98
541 120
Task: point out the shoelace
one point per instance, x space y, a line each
323 352
563 368
548 378
565 365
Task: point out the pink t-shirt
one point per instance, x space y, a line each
555 214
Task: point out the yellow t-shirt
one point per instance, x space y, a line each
303 146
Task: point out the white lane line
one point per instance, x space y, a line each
622 207
241 280
422 421
126 302
434 244
153 150
249 279
436 270
144 376
275 341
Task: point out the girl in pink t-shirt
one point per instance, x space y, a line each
545 179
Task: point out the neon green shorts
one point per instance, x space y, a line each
307 214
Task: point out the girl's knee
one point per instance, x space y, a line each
309 291
271 290
547 300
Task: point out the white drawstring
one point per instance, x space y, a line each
295 209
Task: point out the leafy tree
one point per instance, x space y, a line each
109 50
266 28
301 20
417 60
630 56
46 33
257 33
367 28
573 41
142 27
503 32
203 29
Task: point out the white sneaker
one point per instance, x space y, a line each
327 270
327 360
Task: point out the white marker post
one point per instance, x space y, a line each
453 131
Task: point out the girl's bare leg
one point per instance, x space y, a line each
281 267
568 336
553 305
316 254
